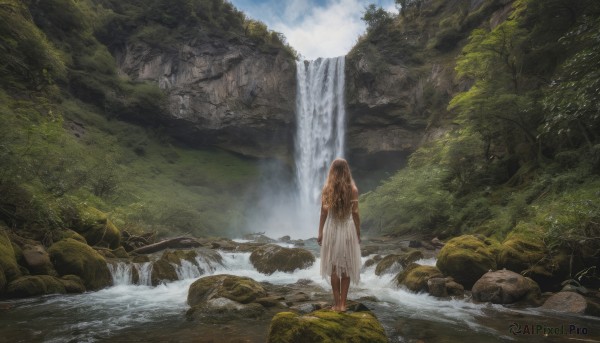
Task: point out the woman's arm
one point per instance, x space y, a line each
324 212
355 215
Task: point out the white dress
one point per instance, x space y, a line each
340 248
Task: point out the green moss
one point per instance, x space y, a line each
73 284
97 229
522 249
73 257
176 256
415 277
29 286
466 258
59 235
326 326
8 261
120 252
237 288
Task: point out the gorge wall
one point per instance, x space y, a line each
400 78
226 91
221 92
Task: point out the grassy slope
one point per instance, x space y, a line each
62 143
450 187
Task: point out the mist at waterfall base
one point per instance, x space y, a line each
291 206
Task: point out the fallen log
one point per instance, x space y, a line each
172 243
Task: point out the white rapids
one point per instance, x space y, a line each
98 316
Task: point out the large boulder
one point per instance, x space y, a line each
466 258
73 257
415 277
444 287
271 258
8 261
222 298
37 260
163 271
36 285
571 302
505 287
96 228
73 284
393 263
520 251
240 289
360 325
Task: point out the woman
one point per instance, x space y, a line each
339 232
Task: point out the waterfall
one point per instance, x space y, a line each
320 131
144 273
122 273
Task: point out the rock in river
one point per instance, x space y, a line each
357 325
222 298
271 258
466 258
73 257
505 287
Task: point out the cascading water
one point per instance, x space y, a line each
320 114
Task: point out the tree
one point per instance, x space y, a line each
406 4
498 105
375 17
572 101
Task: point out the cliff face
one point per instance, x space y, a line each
400 78
221 92
387 115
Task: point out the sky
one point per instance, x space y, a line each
315 28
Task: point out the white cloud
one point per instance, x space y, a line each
316 30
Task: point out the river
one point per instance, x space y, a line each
141 313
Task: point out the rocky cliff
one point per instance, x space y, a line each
400 78
221 92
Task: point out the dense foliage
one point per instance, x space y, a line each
524 146
62 140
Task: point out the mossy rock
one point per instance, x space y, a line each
8 260
519 252
326 326
97 229
120 253
270 258
401 261
59 235
163 271
176 256
240 289
73 257
415 277
466 258
73 284
35 285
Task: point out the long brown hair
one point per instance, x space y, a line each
337 192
